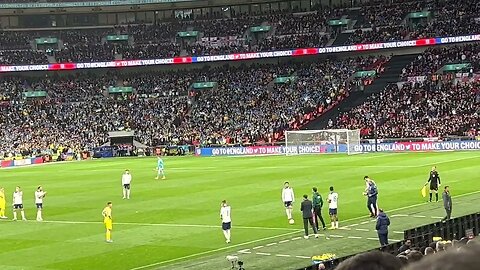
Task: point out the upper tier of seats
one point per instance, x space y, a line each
216 35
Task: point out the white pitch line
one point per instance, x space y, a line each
284 241
245 252
376 239
336 236
365 222
271 244
400 215
353 225
302 257
262 253
257 247
363 230
398 232
355 237
296 238
419 216
282 255
437 217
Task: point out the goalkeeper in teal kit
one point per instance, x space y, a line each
160 168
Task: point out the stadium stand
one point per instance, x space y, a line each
219 35
268 100
417 110
433 59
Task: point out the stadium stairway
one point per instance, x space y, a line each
341 39
393 70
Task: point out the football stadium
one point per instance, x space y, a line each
248 134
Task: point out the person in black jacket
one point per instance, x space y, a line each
382 227
447 203
307 212
406 246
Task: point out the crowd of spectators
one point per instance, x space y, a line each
381 34
391 14
446 21
313 22
447 18
418 110
435 58
246 106
22 57
312 40
440 255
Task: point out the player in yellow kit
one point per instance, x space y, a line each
107 220
2 203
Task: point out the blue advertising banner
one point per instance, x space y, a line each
269 150
342 148
419 146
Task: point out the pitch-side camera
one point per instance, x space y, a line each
236 263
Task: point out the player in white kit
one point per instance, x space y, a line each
18 203
39 195
225 216
333 207
288 198
126 180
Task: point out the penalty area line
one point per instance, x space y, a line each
171 225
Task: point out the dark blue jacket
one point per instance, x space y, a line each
382 223
372 190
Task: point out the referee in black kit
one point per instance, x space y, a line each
434 181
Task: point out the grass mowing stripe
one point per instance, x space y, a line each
167 225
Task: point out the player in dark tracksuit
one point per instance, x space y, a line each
434 180
372 196
317 202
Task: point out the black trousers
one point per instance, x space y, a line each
318 213
305 225
372 203
449 213
383 238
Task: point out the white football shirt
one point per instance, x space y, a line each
126 179
225 212
39 196
287 195
333 200
18 197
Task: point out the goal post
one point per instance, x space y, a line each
322 141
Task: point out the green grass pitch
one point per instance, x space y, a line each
175 224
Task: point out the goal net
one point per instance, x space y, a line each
322 141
